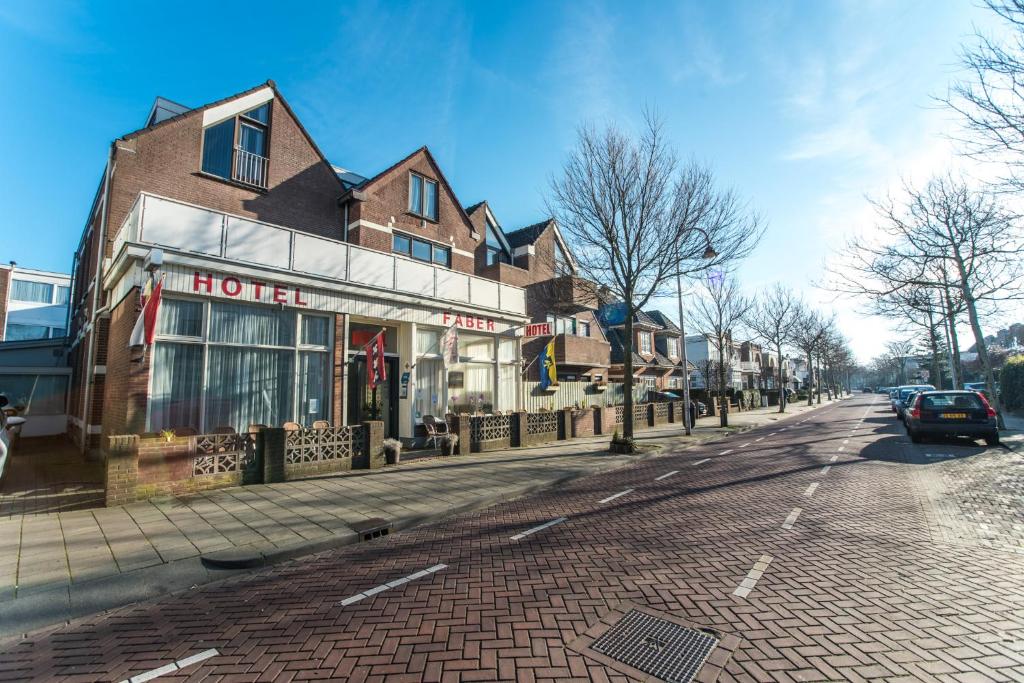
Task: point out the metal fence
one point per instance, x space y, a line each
570 395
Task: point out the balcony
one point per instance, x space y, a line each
569 294
250 169
582 351
191 230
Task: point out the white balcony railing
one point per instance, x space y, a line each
167 223
250 168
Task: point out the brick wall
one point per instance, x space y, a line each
166 160
387 204
127 379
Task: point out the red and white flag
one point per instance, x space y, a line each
450 346
376 372
145 326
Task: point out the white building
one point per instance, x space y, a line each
33 304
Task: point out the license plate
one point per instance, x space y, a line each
953 416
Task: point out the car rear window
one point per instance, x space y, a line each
947 401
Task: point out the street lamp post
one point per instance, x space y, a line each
709 253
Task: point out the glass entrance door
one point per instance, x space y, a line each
373 404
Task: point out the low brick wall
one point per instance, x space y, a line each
536 428
660 413
137 468
582 422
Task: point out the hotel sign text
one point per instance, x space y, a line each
254 290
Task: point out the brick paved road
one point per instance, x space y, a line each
862 584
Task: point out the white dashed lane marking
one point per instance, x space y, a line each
748 583
811 489
726 452
834 458
825 469
535 529
701 462
617 495
392 584
791 520
761 439
744 445
172 667
666 475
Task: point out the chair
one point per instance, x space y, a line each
291 426
435 429
321 424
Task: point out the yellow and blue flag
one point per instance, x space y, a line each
546 361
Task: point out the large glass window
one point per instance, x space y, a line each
19 332
35 292
253 370
63 294
423 196
218 141
428 398
421 250
496 251
36 394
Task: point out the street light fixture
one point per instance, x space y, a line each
709 253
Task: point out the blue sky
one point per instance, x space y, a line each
803 107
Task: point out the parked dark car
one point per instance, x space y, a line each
658 396
952 413
902 393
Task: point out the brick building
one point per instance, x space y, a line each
277 267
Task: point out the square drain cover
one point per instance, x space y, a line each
659 647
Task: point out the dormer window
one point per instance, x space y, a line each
496 251
236 149
422 196
645 343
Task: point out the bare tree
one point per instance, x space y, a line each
991 100
945 235
718 314
774 318
810 330
634 215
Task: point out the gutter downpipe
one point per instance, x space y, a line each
101 249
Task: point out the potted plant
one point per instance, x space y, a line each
449 444
392 451
167 435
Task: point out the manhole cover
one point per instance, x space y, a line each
658 647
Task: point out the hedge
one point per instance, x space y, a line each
1012 383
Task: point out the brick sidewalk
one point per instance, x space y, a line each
71 563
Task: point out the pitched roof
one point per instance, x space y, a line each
528 235
614 314
440 176
663 320
474 207
618 354
277 95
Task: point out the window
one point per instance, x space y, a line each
584 329
247 359
645 342
16 332
39 394
422 196
421 250
673 348
236 149
562 325
496 252
63 294
36 292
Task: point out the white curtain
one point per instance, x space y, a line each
241 324
508 386
248 386
479 387
429 398
177 374
180 318
313 389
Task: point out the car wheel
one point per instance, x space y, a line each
992 440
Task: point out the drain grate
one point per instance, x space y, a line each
658 647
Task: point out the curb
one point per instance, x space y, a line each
252 557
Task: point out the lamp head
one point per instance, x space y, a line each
710 252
